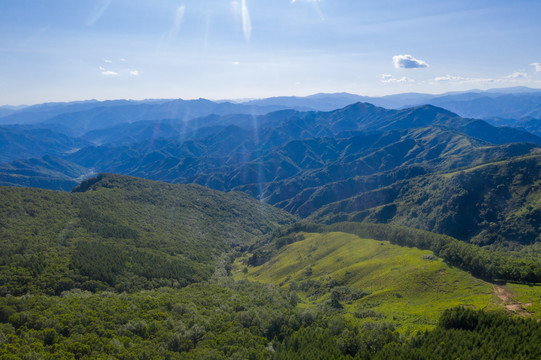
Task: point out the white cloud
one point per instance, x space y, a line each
387 78
102 68
448 78
407 61
107 61
134 72
109 73
513 78
517 76
478 80
236 63
122 59
537 66
462 80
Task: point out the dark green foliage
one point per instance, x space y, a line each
461 333
335 299
105 226
308 343
228 319
122 233
473 335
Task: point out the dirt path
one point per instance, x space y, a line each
509 303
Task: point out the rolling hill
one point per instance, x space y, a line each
120 232
376 280
493 202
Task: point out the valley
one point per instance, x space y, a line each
173 229
270 180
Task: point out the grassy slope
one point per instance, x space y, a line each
405 288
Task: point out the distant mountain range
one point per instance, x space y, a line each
510 103
359 162
340 226
77 118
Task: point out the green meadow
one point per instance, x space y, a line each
379 281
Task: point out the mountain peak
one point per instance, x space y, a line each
106 180
358 107
428 108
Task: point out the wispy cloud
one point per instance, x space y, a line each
463 80
107 61
518 75
537 66
448 78
512 78
134 72
407 61
109 73
388 78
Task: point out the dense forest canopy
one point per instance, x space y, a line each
135 269
343 233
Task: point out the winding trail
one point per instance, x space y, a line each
509 302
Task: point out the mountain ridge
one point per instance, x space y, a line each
305 161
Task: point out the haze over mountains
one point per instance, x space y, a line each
208 220
376 220
358 161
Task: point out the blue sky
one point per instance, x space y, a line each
63 50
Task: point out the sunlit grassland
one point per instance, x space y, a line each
407 286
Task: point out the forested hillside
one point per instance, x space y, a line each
135 269
123 233
492 203
392 230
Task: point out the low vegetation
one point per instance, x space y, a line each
133 269
488 264
376 280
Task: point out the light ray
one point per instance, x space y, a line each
177 24
246 23
98 12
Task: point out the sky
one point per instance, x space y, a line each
65 50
